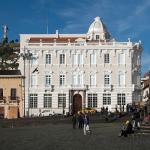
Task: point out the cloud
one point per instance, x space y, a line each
142 8
136 20
81 16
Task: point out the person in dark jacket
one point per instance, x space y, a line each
136 119
127 129
74 121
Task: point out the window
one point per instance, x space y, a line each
1 93
93 59
33 101
121 99
92 100
106 59
47 80
93 80
106 99
121 79
13 94
47 100
62 80
62 58
97 37
121 58
48 59
34 61
106 80
77 79
61 100
33 80
77 59
80 59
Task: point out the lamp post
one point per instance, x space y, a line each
26 55
63 105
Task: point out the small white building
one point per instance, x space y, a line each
68 72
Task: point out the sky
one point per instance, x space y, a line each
124 19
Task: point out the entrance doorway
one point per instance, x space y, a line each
77 103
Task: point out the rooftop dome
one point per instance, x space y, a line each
98 28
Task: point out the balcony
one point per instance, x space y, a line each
13 99
49 88
79 87
108 87
2 99
80 44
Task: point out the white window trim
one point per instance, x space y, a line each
64 59
64 80
121 84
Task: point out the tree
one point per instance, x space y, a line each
9 55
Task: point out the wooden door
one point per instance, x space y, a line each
77 103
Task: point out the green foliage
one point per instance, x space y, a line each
9 54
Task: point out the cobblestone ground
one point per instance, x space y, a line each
62 137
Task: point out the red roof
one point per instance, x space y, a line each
51 40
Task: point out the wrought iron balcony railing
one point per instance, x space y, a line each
2 99
13 99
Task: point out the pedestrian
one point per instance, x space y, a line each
136 119
86 124
80 121
74 121
126 129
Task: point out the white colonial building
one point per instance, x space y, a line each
68 72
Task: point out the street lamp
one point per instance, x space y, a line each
26 56
63 105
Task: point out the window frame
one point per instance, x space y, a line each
62 79
13 93
107 81
61 100
106 58
62 58
92 100
33 100
48 59
106 98
48 78
93 59
47 100
121 99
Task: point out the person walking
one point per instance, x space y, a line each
136 119
86 124
74 121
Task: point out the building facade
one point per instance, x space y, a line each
11 94
67 72
146 91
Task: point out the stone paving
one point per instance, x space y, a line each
62 137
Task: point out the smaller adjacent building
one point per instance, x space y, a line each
146 90
11 94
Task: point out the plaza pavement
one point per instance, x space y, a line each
57 136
